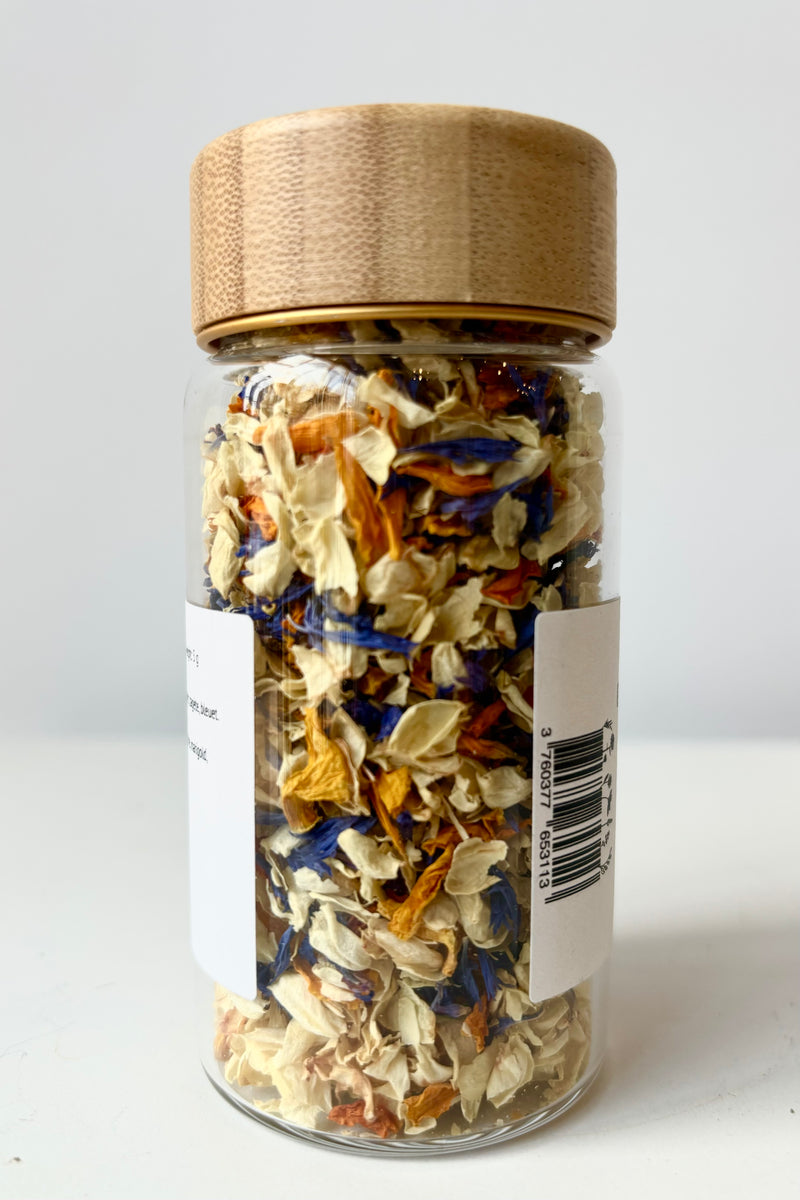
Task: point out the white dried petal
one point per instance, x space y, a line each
317 671
271 570
482 552
224 566
441 913
457 620
402 613
332 984
279 453
226 462
515 701
376 393
399 693
240 425
469 872
428 728
409 954
527 463
332 564
320 887
521 429
318 490
504 787
512 1070
427 1070
548 600
568 519
344 729
336 941
318 1017
409 1015
390 1065
226 520
473 1078
250 463
517 1005
509 518
282 842
374 451
475 915
447 665
504 628
371 860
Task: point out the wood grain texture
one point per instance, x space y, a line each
403 203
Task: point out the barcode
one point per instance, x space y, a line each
577 813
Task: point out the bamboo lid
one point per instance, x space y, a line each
419 208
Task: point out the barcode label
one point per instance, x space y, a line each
577 820
576 657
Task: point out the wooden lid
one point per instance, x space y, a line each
433 206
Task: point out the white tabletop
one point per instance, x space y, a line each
102 1096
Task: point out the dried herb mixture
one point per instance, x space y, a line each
393 523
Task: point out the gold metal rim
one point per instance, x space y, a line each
599 333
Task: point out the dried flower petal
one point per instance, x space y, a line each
362 508
435 1100
408 917
324 778
384 1124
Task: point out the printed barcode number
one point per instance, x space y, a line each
576 820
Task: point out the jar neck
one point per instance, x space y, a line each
440 335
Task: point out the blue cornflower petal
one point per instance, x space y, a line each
360 631
365 713
267 973
320 843
390 718
504 909
405 823
490 981
524 621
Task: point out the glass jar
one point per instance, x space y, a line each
397 502
401 654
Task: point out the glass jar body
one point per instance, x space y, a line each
393 504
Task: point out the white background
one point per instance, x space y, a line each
104 106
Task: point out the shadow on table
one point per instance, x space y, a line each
694 1016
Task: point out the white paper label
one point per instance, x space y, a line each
576 658
219 698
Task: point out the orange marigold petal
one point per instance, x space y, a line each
445 479
473 747
408 917
325 777
394 787
255 510
362 508
387 824
320 433
477 1025
485 718
384 1123
435 1100
392 513
508 586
